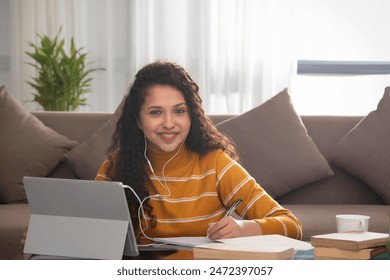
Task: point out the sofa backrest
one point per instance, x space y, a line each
342 188
74 125
326 131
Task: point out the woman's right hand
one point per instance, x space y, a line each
228 227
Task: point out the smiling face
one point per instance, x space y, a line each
164 118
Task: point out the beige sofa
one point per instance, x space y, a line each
315 203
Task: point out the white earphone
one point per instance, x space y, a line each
150 165
140 208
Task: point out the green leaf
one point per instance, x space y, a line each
62 78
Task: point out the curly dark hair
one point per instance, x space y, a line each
128 140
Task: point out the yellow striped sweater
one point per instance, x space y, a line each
196 190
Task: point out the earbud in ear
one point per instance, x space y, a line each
139 125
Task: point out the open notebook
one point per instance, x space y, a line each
264 241
251 247
78 219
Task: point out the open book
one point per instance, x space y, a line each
184 241
252 247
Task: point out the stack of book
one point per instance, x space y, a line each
350 246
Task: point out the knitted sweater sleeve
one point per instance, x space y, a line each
105 170
233 182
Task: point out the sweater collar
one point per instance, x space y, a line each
176 158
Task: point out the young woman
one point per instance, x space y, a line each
183 173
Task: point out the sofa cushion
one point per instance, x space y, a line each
275 147
27 148
86 158
365 150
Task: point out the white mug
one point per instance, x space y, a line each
352 223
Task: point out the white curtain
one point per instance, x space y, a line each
232 48
241 52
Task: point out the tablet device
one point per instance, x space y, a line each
80 219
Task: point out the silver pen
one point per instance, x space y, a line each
231 210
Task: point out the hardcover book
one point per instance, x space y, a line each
238 252
335 253
350 241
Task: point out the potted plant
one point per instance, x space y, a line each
62 78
